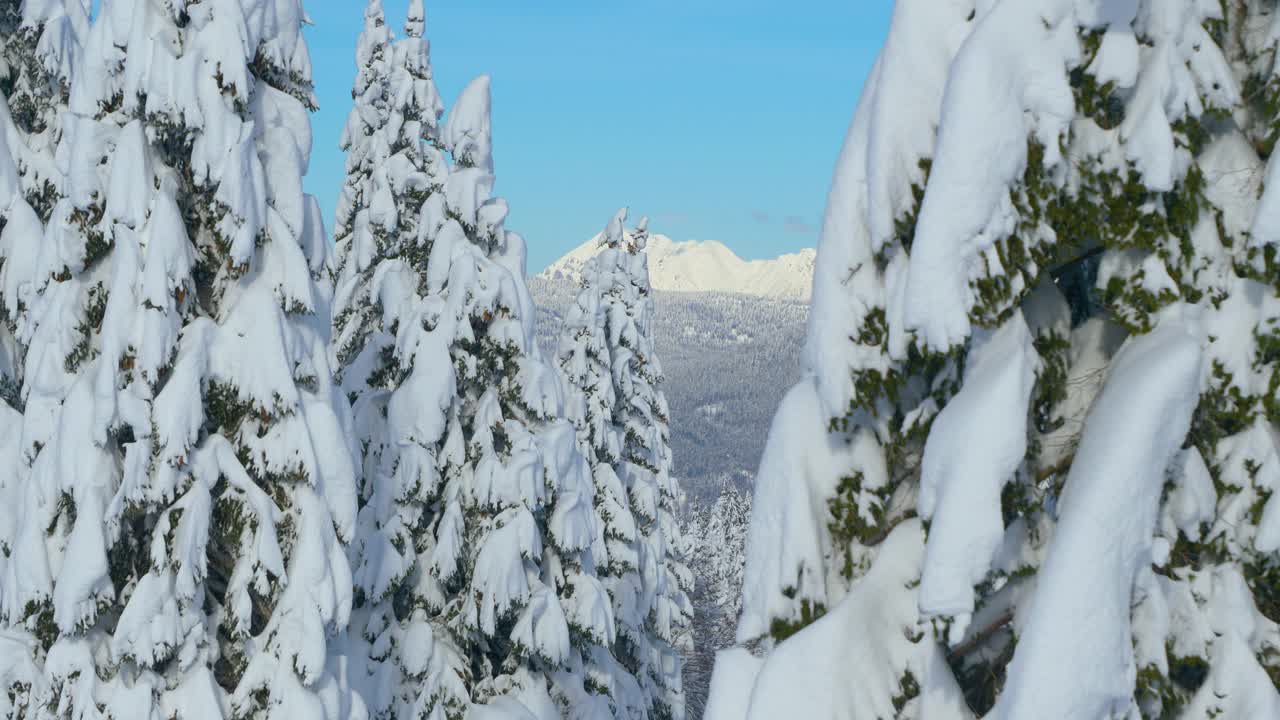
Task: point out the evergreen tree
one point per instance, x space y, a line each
10 15
718 532
44 43
364 139
16 666
13 209
39 45
395 166
179 549
473 573
1045 318
607 357
41 42
512 520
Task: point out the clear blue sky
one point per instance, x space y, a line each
720 120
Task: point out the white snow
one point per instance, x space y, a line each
1266 224
851 662
924 35
1078 621
10 144
786 543
1008 82
1237 686
734 676
542 627
1193 500
468 132
884 145
975 445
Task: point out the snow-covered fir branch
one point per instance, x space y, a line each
1034 457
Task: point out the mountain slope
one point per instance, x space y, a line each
705 266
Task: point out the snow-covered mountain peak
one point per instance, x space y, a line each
705 266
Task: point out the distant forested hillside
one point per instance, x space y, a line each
727 359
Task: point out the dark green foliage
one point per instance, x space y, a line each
981 674
224 410
1051 382
1102 104
130 556
95 308
847 524
781 629
38 618
908 689
905 226
10 393
1171 692
1262 96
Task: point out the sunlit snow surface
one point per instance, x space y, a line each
1079 615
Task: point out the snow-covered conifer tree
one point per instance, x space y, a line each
394 163
720 533
40 42
717 532
179 550
516 523
606 355
43 47
1038 438
396 167
364 139
39 46
16 666
478 587
13 208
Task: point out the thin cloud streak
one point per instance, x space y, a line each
798 225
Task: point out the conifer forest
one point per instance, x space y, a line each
278 443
